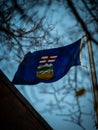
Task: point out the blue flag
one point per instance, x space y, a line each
47 65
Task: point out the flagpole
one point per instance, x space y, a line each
94 79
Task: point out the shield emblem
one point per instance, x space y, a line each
45 71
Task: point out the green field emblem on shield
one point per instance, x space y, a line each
45 67
45 71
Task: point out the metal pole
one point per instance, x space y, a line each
94 80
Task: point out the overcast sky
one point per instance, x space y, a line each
56 102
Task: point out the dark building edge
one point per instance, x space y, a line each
22 99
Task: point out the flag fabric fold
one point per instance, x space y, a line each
47 65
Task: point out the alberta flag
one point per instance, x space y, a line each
47 65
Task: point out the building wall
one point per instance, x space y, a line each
15 111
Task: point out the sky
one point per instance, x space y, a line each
56 102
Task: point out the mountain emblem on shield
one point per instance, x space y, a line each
45 68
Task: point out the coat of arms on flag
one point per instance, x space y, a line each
45 68
47 65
